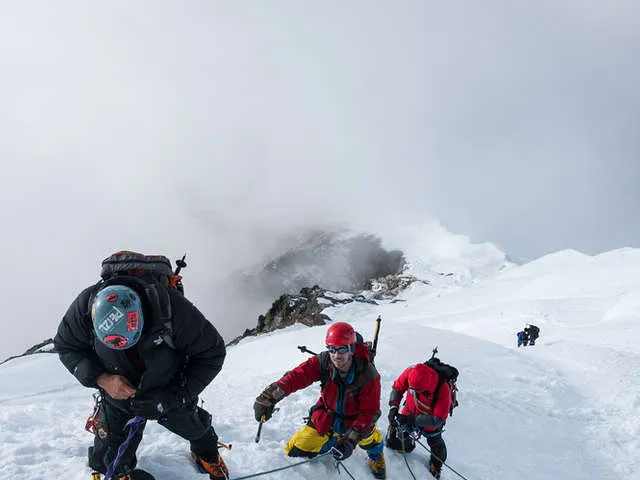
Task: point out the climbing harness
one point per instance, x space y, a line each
92 422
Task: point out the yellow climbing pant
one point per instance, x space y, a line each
308 440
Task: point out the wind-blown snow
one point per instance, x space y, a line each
567 408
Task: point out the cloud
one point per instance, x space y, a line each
217 127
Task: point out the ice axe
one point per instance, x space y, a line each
304 349
260 423
374 347
180 264
177 278
433 352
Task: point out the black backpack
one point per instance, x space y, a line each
151 274
533 331
150 268
446 374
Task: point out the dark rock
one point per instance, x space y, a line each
305 308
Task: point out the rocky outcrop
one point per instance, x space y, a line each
335 260
390 286
305 308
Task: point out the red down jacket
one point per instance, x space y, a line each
419 382
357 400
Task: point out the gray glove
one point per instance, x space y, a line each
266 402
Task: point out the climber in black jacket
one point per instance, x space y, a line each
114 338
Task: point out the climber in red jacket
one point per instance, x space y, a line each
345 415
426 409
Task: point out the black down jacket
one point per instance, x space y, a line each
194 359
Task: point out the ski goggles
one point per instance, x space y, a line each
341 350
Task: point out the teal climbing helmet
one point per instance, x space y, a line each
117 317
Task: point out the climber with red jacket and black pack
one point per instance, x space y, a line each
430 397
345 415
150 352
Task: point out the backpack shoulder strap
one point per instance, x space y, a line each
167 334
368 373
436 365
324 360
436 392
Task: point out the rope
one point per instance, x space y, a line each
134 425
340 464
406 462
404 457
404 430
416 436
314 459
439 459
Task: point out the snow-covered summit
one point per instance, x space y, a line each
432 251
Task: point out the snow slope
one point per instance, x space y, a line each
564 409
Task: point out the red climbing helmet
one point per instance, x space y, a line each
340 334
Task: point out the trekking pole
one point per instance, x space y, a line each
262 420
374 348
433 352
304 349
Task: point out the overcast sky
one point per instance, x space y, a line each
210 127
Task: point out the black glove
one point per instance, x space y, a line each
266 401
155 403
393 414
430 421
344 447
407 421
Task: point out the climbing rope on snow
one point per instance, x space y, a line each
416 434
406 462
438 458
293 465
340 465
404 457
